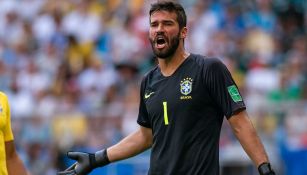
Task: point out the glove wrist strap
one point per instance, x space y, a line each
101 158
265 169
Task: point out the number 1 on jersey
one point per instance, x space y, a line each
165 113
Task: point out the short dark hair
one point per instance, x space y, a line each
171 7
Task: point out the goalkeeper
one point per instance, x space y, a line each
184 100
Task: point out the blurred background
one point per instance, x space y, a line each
72 71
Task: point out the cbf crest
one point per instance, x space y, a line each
186 86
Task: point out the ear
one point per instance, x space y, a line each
183 33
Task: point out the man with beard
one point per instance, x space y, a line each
183 102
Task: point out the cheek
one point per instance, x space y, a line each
174 32
151 34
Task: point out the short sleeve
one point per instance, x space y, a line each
143 118
222 88
7 132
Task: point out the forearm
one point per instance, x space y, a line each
128 147
251 143
132 145
15 166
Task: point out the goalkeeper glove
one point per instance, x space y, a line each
86 162
265 169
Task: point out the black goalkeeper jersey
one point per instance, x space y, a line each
185 112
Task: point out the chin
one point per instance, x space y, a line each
164 55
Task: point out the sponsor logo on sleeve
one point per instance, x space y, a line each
234 93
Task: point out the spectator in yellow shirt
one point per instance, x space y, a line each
10 163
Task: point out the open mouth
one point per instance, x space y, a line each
160 42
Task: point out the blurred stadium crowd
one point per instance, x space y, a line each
72 69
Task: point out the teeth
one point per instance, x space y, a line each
160 37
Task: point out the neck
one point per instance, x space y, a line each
169 65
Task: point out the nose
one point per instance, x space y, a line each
159 33
160 28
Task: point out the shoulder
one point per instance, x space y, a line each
3 96
206 62
150 73
3 101
148 76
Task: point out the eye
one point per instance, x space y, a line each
168 23
154 24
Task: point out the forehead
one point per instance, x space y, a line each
162 15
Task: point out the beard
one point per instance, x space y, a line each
169 49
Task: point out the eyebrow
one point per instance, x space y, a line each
163 21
